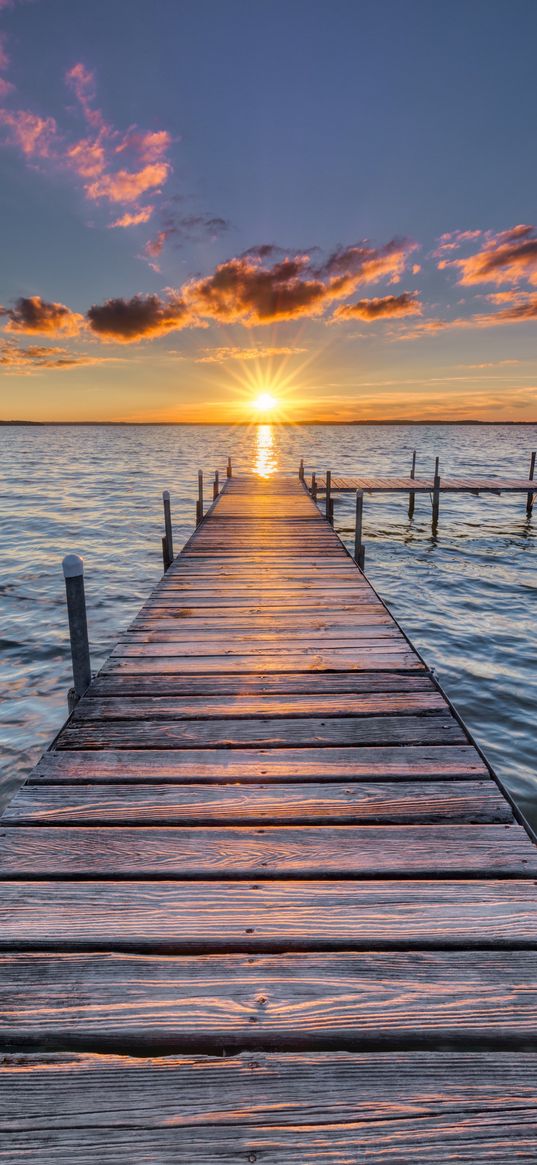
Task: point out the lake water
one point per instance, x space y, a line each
466 598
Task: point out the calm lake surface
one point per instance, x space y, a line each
466 598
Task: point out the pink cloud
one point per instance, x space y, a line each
134 218
126 185
35 136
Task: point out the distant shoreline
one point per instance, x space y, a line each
267 421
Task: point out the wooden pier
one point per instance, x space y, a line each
264 901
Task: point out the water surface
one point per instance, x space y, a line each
466 598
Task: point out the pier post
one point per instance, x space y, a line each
167 541
436 494
359 548
412 496
301 469
73 573
328 497
314 486
531 495
199 503
216 486
229 471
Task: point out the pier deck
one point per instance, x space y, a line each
382 485
263 900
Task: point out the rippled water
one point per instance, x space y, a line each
466 598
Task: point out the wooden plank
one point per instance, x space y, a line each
337 803
359 1000
340 704
113 1092
492 1137
287 684
148 645
424 763
271 732
273 851
268 915
335 659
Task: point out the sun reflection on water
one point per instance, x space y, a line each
266 461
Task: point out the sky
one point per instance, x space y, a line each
325 204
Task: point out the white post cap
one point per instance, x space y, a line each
166 495
73 566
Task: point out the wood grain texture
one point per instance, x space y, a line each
334 659
328 683
268 915
177 766
113 1092
276 851
269 732
257 706
336 803
304 1001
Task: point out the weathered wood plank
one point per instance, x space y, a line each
110 1092
352 803
257 705
430 728
146 645
360 1000
274 851
268 915
335 659
327 683
402 762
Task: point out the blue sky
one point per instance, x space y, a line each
383 151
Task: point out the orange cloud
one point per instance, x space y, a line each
33 315
134 218
219 355
144 317
33 358
127 185
384 307
506 258
34 135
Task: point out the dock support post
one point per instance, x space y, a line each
531 495
314 486
412 496
436 494
359 548
167 541
301 469
199 503
328 498
229 471
73 573
216 486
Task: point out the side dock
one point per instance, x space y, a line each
264 900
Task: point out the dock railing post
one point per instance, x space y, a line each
301 469
199 503
73 573
216 486
412 496
167 541
314 486
531 495
229 471
359 548
328 497
436 494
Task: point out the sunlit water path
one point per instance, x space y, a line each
467 599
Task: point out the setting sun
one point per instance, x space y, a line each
265 402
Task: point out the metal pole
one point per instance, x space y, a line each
168 529
314 486
531 495
412 496
301 469
73 573
165 560
436 494
328 497
229 471
199 503
215 485
359 548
